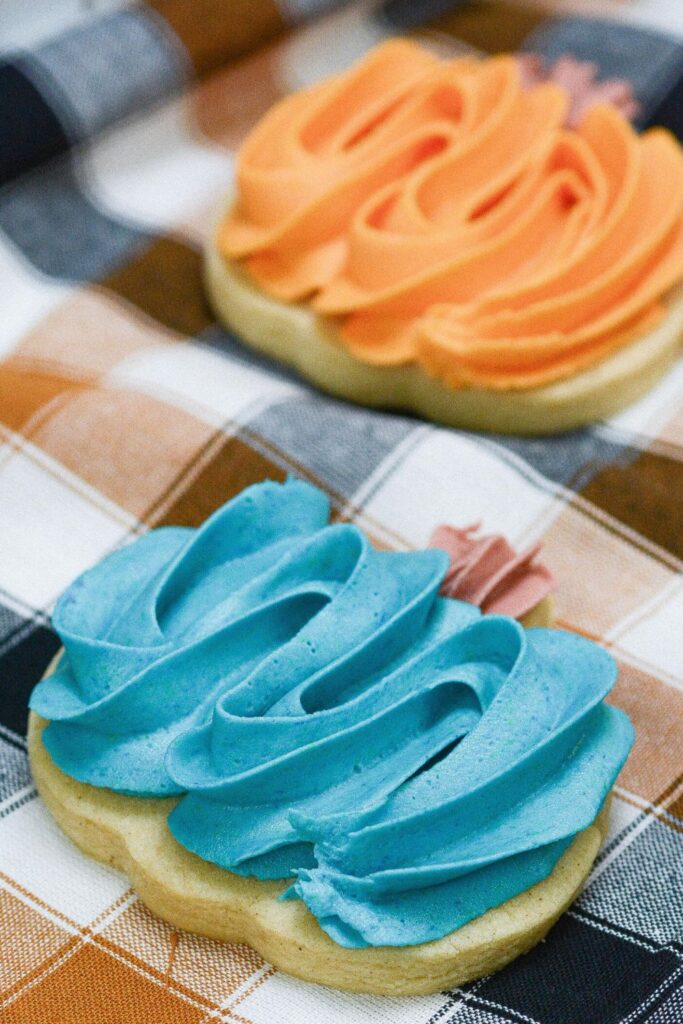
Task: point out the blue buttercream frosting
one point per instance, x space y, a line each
330 719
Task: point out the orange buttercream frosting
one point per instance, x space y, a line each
444 215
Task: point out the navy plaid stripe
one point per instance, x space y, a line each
84 80
30 131
22 662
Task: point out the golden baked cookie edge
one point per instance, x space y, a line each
294 335
130 834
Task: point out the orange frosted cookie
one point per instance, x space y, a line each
429 234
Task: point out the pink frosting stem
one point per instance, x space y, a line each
580 79
487 571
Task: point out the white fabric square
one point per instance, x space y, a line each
154 172
656 638
305 56
449 478
36 854
50 533
26 297
212 387
288 1001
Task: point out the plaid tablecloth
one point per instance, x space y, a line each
124 406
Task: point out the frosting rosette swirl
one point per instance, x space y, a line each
325 716
443 215
157 630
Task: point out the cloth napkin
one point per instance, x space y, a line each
124 406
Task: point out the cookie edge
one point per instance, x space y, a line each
294 335
130 834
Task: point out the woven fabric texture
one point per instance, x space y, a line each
124 406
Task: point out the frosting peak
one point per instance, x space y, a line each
443 215
325 717
488 572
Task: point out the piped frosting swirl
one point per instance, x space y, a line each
404 760
441 214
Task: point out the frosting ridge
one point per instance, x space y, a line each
166 608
